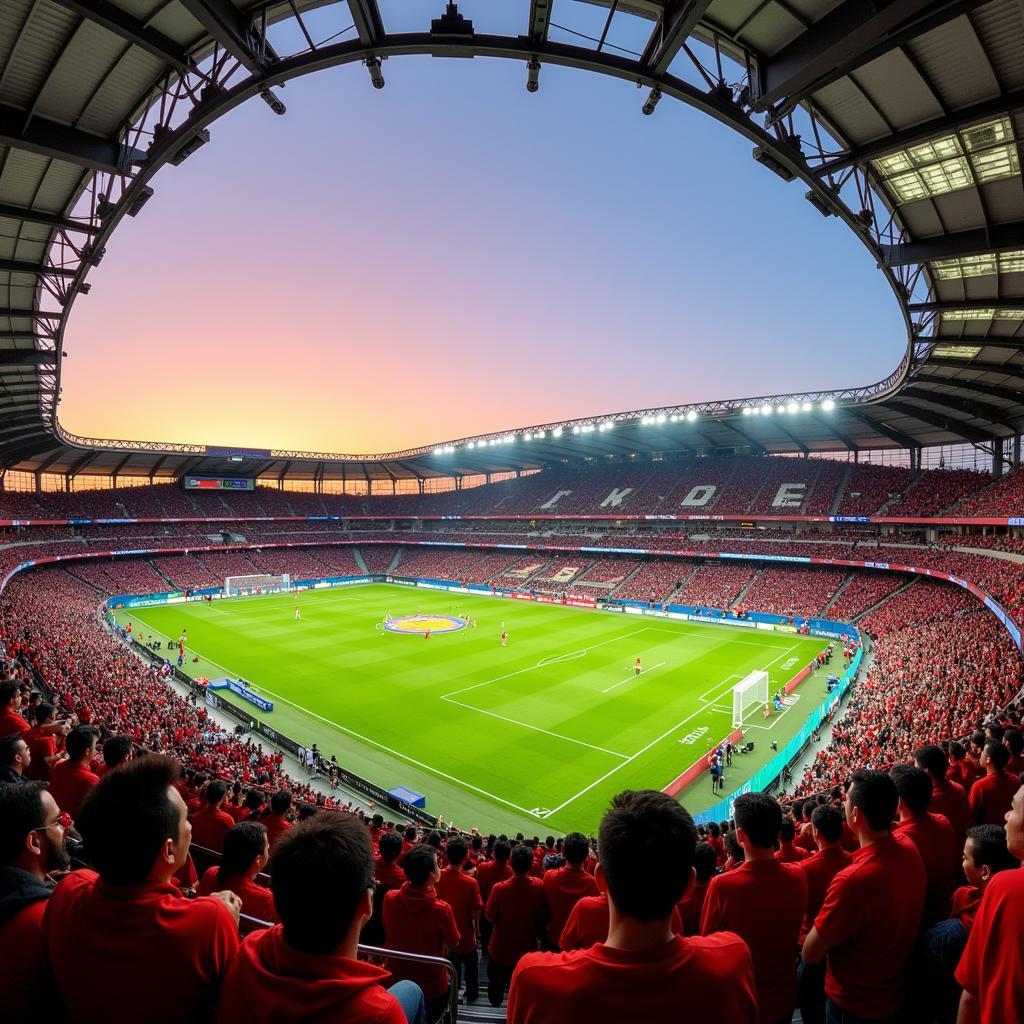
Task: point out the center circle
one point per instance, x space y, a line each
421 624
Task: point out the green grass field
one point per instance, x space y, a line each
536 736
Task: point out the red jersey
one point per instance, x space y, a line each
992 965
276 825
933 836
42 747
562 888
116 949
462 893
10 722
26 991
708 978
416 921
763 902
790 853
257 900
489 873
966 901
991 797
269 982
820 870
209 826
691 906
517 910
950 800
70 784
390 876
589 921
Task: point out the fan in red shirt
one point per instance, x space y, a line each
10 703
126 938
490 872
246 852
691 906
788 852
416 921
42 740
564 886
31 846
1013 740
992 794
642 971
871 916
590 919
276 822
462 893
963 769
116 750
517 911
306 969
71 780
210 824
948 798
387 876
991 971
763 902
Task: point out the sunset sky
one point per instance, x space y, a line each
452 255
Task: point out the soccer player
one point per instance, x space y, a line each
426 634
504 638
636 667
298 614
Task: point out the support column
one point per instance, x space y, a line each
997 460
1015 457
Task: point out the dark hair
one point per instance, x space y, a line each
8 691
787 830
280 801
933 760
243 843
79 740
116 750
419 863
253 800
9 747
647 843
377 820
874 793
127 817
1014 741
501 851
521 859
828 820
21 811
319 873
990 847
41 712
575 848
390 846
997 754
957 751
760 817
216 791
456 851
914 786
410 833
705 861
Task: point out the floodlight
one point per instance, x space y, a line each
510 438
660 418
766 410
609 425
807 407
533 75
652 101
527 437
747 410
438 450
691 416
197 141
472 444
273 101
673 418
828 405
373 66
143 196
575 429
557 432
792 407
541 434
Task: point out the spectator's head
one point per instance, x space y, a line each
280 802
977 742
575 848
81 743
647 843
787 830
914 787
43 714
705 862
871 802
31 832
390 847
10 696
15 753
420 865
246 851
985 854
1013 740
377 821
994 756
932 760
253 801
456 851
1015 825
134 823
410 834
826 825
758 818
502 851
957 751
216 792
322 879
117 750
521 859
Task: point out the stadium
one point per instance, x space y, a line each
678 709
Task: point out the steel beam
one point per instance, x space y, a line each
368 22
33 269
231 30
115 20
540 21
949 363
28 314
50 220
994 239
57 141
934 419
26 357
677 22
970 406
829 424
946 306
861 415
1009 394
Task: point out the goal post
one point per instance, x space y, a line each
261 583
749 692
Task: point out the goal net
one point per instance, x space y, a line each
262 583
750 692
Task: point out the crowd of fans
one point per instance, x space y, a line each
790 591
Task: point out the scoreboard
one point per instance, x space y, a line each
218 483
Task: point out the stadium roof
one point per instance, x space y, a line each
904 120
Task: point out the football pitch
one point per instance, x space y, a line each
536 735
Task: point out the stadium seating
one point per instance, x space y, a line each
793 591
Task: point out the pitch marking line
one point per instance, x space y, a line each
636 675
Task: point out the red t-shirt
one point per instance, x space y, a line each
276 825
562 888
25 986
209 826
991 797
416 921
269 982
870 920
691 906
820 870
118 951
966 772
517 909
966 901
390 876
462 893
950 800
70 784
42 747
790 853
709 978
11 722
589 921
992 965
763 902
257 900
489 873
933 836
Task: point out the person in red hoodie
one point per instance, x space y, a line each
788 852
306 969
71 780
488 874
565 885
992 794
211 822
416 921
517 911
276 821
641 971
11 719
948 797
962 768
387 876
246 852
462 893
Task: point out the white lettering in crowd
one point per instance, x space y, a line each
789 496
559 495
616 498
699 496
